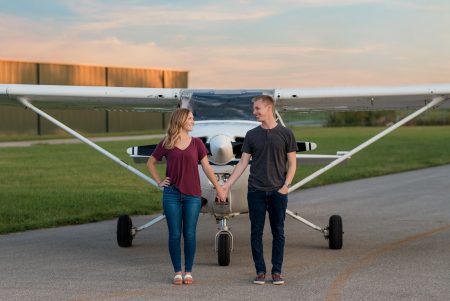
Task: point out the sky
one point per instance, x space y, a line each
240 44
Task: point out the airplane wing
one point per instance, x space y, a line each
361 98
166 99
89 97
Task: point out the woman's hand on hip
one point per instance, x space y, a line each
165 182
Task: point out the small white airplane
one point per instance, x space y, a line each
223 117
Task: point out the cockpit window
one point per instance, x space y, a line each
214 106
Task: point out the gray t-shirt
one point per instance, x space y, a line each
269 149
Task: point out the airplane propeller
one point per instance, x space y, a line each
221 149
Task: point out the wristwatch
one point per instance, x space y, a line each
287 185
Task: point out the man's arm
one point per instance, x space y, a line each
237 171
292 166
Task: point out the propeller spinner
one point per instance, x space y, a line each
221 149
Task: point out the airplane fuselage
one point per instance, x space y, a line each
220 134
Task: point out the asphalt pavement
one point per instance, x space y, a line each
396 247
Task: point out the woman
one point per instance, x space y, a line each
182 194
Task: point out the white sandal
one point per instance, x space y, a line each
187 279
178 279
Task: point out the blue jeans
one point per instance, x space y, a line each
182 213
275 204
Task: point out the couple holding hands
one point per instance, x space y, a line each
270 146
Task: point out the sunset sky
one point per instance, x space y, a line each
240 44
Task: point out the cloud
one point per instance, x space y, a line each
326 2
94 36
229 66
422 6
104 16
220 66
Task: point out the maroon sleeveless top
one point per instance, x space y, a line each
182 165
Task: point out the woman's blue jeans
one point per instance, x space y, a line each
182 213
275 203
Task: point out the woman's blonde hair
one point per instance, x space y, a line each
176 123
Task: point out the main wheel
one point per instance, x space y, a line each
124 225
335 232
224 249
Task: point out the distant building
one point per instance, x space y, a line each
17 120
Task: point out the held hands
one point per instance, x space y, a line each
165 182
221 195
226 188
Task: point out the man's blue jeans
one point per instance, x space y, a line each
182 213
275 204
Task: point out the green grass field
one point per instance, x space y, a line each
52 185
60 134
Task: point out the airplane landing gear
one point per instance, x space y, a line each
335 232
124 231
224 248
224 243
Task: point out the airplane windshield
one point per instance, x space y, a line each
208 106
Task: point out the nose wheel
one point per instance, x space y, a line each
224 248
224 243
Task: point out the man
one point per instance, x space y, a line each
270 147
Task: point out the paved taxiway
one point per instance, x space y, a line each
396 247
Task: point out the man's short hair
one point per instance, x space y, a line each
264 98
267 99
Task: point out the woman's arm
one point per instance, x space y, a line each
151 166
209 172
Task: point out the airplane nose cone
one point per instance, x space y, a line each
221 149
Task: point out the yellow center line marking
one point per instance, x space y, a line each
336 288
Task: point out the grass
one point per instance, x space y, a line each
63 135
52 185
406 149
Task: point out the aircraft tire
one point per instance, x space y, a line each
335 232
124 225
224 249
